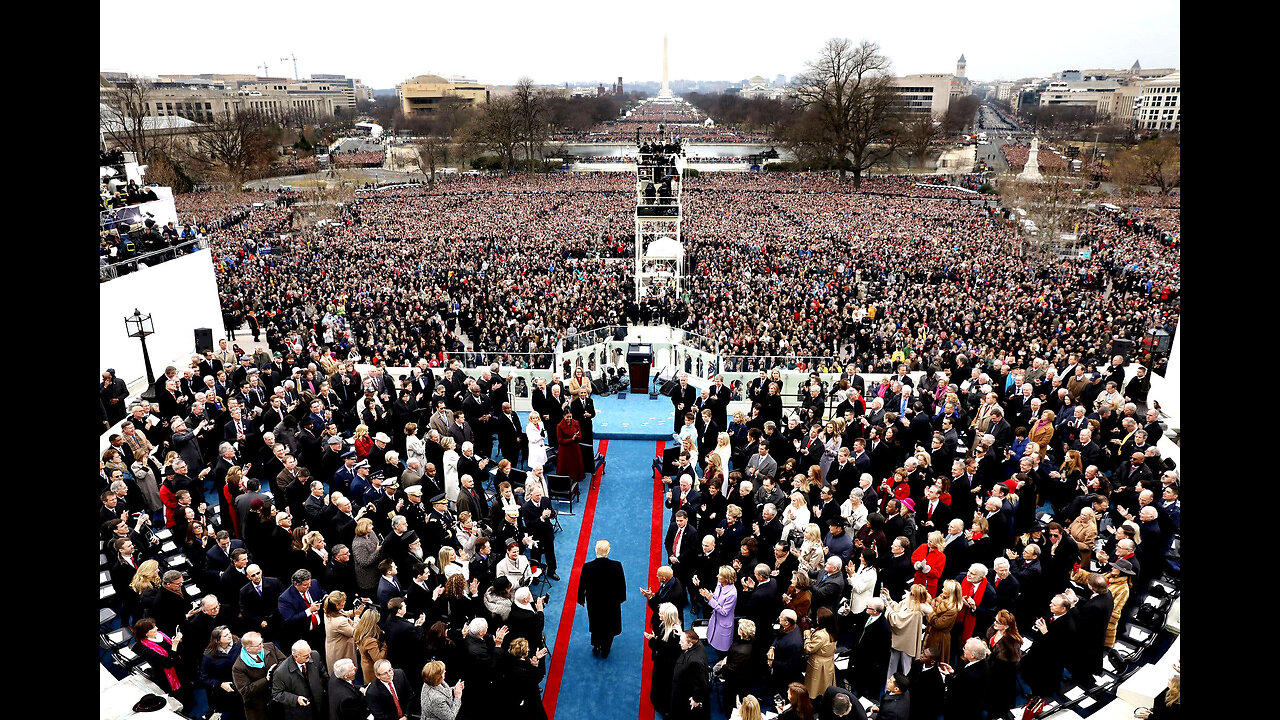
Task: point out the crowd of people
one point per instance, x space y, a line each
364 560
338 567
1016 155
362 158
910 534
780 264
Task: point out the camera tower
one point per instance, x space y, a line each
659 252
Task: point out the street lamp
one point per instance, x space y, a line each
140 326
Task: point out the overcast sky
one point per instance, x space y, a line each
497 41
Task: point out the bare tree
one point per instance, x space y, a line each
235 144
531 110
124 119
1155 162
918 134
431 152
496 129
849 93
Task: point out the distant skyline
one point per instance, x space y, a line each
563 42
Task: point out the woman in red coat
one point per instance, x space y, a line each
928 561
569 457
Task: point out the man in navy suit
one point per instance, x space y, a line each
670 590
388 586
389 696
259 602
300 609
219 556
602 588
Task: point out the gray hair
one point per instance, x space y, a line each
300 576
976 648
478 626
876 604
299 646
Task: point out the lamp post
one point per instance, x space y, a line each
140 326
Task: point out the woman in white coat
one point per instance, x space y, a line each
536 432
724 450
451 484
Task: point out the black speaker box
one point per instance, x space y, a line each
204 339
669 387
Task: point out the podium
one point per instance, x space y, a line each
639 361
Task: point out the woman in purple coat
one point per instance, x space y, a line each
722 602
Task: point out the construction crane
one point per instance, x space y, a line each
265 71
295 65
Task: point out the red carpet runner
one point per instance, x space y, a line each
655 562
556 672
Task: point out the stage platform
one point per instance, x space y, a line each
634 418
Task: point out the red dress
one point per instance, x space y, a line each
935 560
569 457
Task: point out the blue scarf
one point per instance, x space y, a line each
248 659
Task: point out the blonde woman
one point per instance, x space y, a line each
665 646
946 607
725 450
748 709
363 443
451 484
715 472
145 584
691 447
450 564
536 433
795 518
340 628
906 626
812 559
369 644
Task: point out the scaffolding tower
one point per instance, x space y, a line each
659 251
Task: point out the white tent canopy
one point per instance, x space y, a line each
664 248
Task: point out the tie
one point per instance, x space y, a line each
304 670
932 505
395 698
997 581
679 534
315 617
259 589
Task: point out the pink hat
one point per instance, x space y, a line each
911 504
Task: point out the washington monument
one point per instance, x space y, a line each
665 92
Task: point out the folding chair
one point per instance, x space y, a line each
563 490
540 583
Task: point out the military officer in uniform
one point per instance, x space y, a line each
440 523
414 511
388 506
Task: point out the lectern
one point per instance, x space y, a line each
639 361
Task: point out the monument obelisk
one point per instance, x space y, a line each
665 92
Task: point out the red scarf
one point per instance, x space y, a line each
170 673
968 589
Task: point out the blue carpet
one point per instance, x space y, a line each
634 418
609 688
